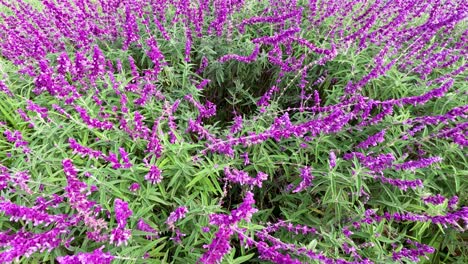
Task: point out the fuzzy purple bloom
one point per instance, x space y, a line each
307 177
332 160
417 164
237 125
154 175
122 212
176 215
372 140
413 254
37 217
220 245
125 158
95 257
134 187
24 244
120 236
4 88
402 184
76 193
435 199
143 226
243 178
452 203
246 59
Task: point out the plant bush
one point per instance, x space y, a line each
238 131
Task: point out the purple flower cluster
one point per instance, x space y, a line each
417 164
203 84
277 38
93 122
19 179
98 63
4 177
76 32
307 177
243 178
155 55
282 128
4 88
134 187
220 245
452 203
122 212
95 257
154 146
42 204
332 160
120 234
143 226
37 217
270 19
124 155
450 219
372 140
154 175
17 138
82 150
76 192
175 216
402 184
24 244
434 199
271 248
413 254
375 164
111 158
246 59
297 229
237 125
130 27
207 110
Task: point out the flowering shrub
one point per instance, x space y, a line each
274 131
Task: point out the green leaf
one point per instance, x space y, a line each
243 259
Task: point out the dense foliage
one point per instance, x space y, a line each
197 131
